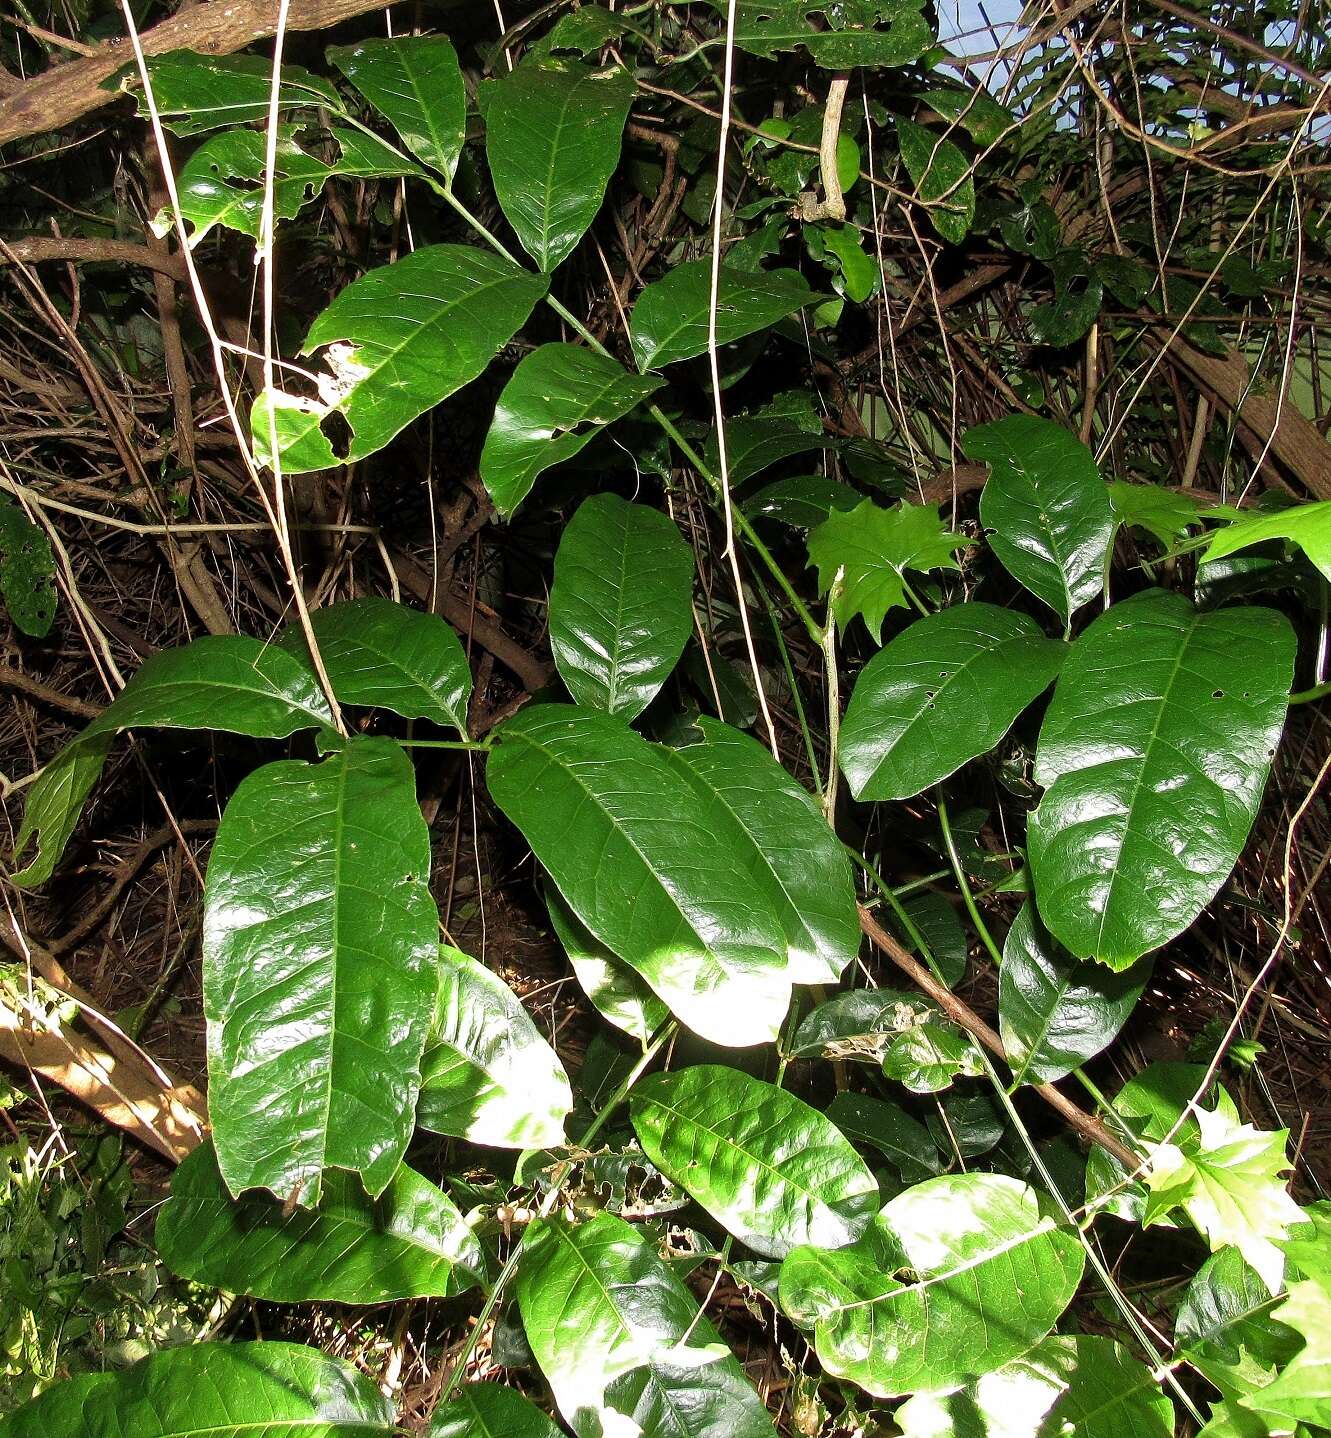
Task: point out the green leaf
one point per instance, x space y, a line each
599 1305
27 568
319 953
487 1074
785 844
954 1278
802 501
937 923
222 182
398 341
976 111
889 1129
557 399
1228 1178
1090 1387
1228 1326
621 605
945 690
1307 525
387 656
619 994
220 682
929 1054
410 1242
941 172
205 1390
641 862
1078 294
875 547
842 248
587 29
194 93
553 132
1153 756
414 81
858 1024
1055 1012
489 1410
770 1169
1047 507
670 319
836 36
754 441
1302 1393
1165 514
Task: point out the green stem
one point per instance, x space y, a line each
1310 696
479 746
968 898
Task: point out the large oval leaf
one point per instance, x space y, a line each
489 1410
876 33
1047 507
1153 755
943 176
769 1168
487 1074
889 1129
598 1305
621 604
639 860
225 681
398 341
785 843
553 131
556 400
670 319
319 955
414 81
954 1278
386 656
1054 1011
410 1242
205 1390
194 93
942 692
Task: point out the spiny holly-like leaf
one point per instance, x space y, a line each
1165 514
396 342
954 1278
941 172
1307 525
487 1074
27 569
319 961
225 682
872 548
670 319
560 395
490 1410
1153 756
1227 1177
765 1165
194 93
410 1242
414 81
1302 1392
836 35
553 131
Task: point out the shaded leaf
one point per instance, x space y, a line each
941 172
1078 294
930 1053
889 1129
858 1024
835 36
490 1410
1307 525
976 111
194 93
802 501
754 441
1165 514
27 569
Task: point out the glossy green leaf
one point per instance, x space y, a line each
835 36
599 1305
194 93
621 606
410 1242
858 1024
221 682
802 501
856 272
319 957
1153 757
1055 1012
785 844
670 319
1164 514
396 342
213 1390
559 396
490 1410
619 993
787 426
1302 1392
930 1053
1046 504
387 656
641 863
943 691
27 571
941 173
414 81
553 132
1076 1384
1307 525
937 923
487 1074
976 111
954 1278
587 29
770 1169
1078 295
889 1129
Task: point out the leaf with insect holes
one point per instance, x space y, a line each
837 35
195 93
27 569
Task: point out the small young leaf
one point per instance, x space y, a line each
769 1168
1047 507
487 1075
489 1410
553 132
621 604
941 172
27 567
928 1055
945 690
1307 525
